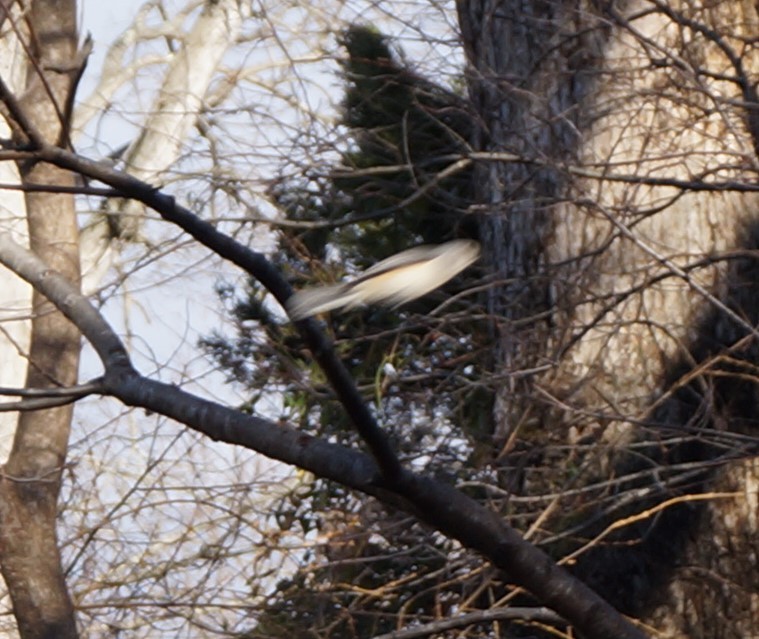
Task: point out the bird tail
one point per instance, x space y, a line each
318 300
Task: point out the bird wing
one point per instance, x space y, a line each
404 258
311 301
398 279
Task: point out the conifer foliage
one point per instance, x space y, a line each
397 185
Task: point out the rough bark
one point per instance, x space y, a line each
29 487
649 325
530 65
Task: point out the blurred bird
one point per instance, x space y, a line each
396 280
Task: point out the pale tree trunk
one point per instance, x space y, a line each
615 237
691 572
174 113
29 557
647 326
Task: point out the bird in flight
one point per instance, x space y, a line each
396 280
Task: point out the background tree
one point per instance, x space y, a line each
30 559
402 181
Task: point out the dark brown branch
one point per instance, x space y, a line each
699 183
19 121
80 390
39 398
76 71
58 188
39 403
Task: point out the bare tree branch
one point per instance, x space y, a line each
38 398
543 615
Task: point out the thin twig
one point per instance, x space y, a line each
543 615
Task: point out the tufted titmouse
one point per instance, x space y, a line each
396 280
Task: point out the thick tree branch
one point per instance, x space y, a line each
58 188
438 504
19 118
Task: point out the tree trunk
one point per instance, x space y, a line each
530 64
647 325
29 555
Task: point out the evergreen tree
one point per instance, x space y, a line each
420 364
